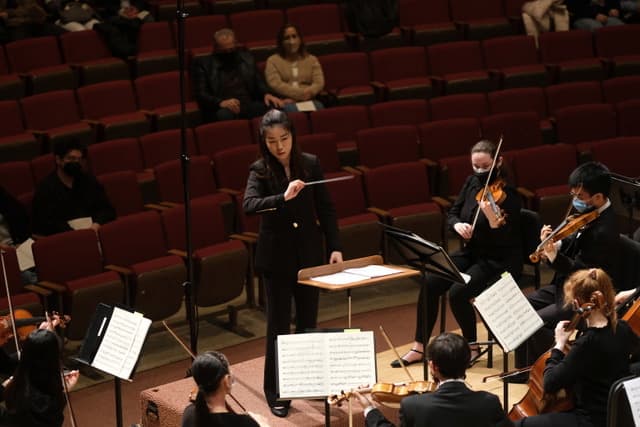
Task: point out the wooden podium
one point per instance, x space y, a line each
305 275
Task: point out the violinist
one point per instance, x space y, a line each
35 395
453 404
594 245
598 357
493 246
211 373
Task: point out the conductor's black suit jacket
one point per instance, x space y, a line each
290 238
451 405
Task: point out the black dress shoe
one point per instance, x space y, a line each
280 410
399 362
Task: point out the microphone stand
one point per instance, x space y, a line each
190 287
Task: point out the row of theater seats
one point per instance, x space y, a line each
355 77
140 260
117 111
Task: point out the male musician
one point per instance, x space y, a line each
453 404
594 245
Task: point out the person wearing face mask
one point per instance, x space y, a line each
69 193
492 247
596 245
227 85
292 73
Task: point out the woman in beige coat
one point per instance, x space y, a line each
292 73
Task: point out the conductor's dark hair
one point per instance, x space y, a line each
450 353
302 50
276 118
37 376
208 370
592 177
63 148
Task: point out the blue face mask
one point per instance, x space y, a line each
581 206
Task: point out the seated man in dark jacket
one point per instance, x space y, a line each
453 404
227 84
593 14
69 193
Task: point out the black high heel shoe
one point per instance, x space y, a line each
399 362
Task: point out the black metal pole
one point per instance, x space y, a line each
118 392
190 287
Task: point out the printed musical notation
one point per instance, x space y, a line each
321 364
507 313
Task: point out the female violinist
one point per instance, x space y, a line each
598 357
453 404
35 395
211 373
594 245
493 246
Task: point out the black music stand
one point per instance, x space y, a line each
427 257
625 198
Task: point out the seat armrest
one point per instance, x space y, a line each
38 290
55 287
178 252
380 212
119 269
442 202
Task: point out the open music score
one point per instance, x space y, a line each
632 388
325 363
508 313
353 273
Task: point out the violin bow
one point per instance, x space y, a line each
486 184
193 356
11 313
392 347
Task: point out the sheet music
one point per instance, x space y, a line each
25 255
352 275
507 313
122 342
632 388
321 364
80 223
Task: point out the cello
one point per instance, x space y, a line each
536 400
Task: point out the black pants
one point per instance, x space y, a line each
483 274
279 290
548 301
555 419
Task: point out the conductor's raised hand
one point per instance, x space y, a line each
463 229
293 189
336 257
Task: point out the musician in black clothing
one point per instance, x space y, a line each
493 246
211 373
595 245
599 356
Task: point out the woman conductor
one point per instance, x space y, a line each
289 237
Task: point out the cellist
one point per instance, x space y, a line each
598 357
594 245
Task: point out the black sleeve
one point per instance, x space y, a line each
324 209
188 416
376 419
256 198
202 91
16 217
562 371
453 216
47 217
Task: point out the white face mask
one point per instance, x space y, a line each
480 170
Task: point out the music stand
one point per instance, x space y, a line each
427 257
626 191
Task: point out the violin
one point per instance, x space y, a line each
495 195
388 394
566 228
536 400
25 323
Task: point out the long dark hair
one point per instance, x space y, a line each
302 50
273 168
208 369
37 390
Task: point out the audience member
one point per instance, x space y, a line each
292 72
211 372
15 228
35 394
453 404
69 193
21 19
75 15
227 84
593 14
630 11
